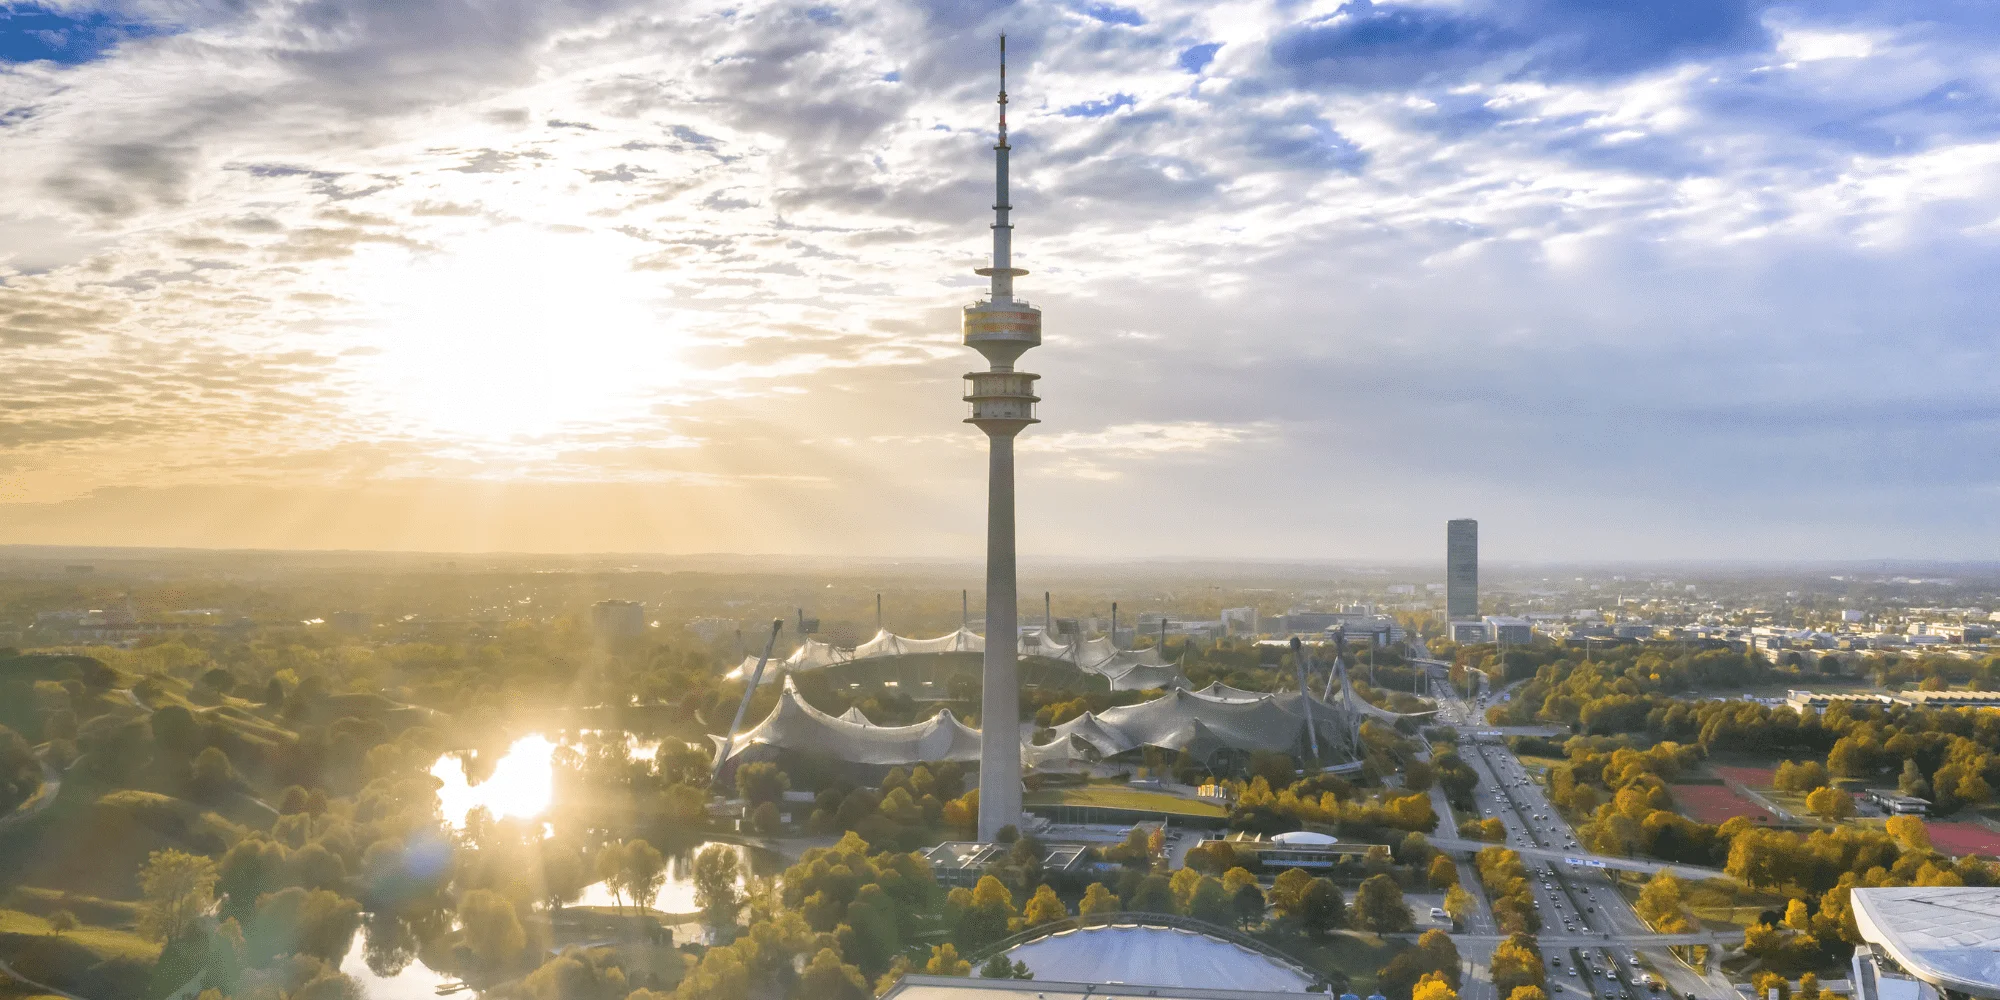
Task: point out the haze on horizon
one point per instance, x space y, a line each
1697 280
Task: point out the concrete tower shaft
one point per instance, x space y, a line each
1001 328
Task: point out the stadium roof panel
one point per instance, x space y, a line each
1948 936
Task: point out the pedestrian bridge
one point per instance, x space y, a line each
1574 859
1545 940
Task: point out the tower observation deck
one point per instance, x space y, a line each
1001 328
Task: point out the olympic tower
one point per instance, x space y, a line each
1003 402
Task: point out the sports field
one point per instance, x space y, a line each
1748 777
1963 838
1716 804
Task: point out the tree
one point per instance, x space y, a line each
1322 910
945 962
1910 832
998 967
1419 776
1912 782
251 868
1098 900
1517 962
1379 906
1289 891
1154 895
1796 917
1833 804
1808 987
179 889
1972 788
1765 982
644 871
213 774
827 976
1443 873
1378 860
1799 778
761 782
1433 989
611 871
988 914
1459 904
717 874
1247 904
765 818
1434 958
677 763
1045 907
1528 993
293 921
315 867
1211 901
62 922
492 929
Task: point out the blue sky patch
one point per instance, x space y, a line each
1196 58
1109 13
34 33
1098 109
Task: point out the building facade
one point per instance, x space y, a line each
1461 569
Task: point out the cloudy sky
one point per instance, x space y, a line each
1659 278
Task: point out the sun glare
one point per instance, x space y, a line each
521 785
515 334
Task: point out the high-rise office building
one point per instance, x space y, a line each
1003 404
1461 569
618 619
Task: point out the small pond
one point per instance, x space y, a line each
521 785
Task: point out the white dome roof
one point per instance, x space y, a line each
1305 838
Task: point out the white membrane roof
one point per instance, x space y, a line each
1155 956
1948 936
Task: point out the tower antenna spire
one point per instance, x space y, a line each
1003 90
1003 272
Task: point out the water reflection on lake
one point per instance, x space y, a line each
522 781
521 784
414 981
677 895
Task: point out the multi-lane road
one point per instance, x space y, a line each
1585 921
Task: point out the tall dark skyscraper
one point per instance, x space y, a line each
1461 569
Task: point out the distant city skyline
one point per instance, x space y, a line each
1651 283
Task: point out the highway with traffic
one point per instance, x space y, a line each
1587 926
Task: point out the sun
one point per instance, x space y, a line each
516 335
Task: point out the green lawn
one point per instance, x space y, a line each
1120 797
1538 766
1358 955
11 990
104 942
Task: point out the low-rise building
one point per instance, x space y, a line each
1508 629
957 862
1298 849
